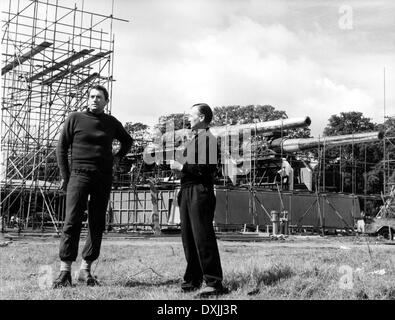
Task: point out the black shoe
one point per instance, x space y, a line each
86 276
64 280
190 286
212 291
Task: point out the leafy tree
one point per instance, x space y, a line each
135 127
180 121
304 132
140 134
245 114
348 123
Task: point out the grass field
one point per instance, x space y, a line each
299 267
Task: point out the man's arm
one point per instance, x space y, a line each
125 140
62 149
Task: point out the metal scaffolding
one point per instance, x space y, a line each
388 164
51 55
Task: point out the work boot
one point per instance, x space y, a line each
212 291
64 280
86 276
188 286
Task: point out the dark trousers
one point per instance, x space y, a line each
81 184
197 205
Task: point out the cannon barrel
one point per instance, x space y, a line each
292 145
260 127
172 140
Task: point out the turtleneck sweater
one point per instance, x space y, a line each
90 137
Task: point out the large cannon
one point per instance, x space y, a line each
262 127
293 145
165 145
178 136
172 139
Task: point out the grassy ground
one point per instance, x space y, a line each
151 268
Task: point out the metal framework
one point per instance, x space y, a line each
51 55
388 161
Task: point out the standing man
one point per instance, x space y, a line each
197 201
89 135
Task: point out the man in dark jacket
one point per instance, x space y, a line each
197 205
89 135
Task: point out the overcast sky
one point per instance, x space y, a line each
309 58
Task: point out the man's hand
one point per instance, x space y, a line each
63 184
175 165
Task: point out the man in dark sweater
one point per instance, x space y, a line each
89 135
197 201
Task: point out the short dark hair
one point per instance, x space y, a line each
205 110
102 89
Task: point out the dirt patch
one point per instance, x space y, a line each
297 241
